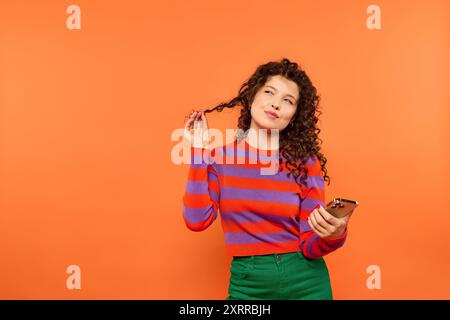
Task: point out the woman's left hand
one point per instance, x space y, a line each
326 225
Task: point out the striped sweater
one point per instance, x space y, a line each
262 212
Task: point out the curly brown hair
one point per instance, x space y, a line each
299 141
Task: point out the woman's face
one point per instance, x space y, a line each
279 96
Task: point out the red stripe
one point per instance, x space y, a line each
262 248
257 227
195 201
262 184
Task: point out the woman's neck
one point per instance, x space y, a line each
262 140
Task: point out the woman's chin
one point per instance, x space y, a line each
268 126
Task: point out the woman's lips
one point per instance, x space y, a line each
270 115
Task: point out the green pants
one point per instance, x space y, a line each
279 277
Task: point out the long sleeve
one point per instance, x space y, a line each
311 244
202 193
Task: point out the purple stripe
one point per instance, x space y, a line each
199 214
260 195
230 150
248 216
255 173
215 214
214 196
201 187
310 242
196 187
212 176
316 182
240 151
262 156
201 160
245 238
310 204
264 160
268 168
304 226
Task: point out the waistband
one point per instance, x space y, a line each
272 256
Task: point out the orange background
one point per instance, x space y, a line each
87 115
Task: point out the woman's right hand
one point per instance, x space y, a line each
196 130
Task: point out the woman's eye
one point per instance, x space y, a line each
289 101
267 91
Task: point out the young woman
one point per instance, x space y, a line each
275 225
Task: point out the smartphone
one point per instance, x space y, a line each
340 207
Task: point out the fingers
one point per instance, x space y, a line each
196 129
328 217
325 224
204 120
318 222
197 120
199 123
190 120
189 126
193 119
314 227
